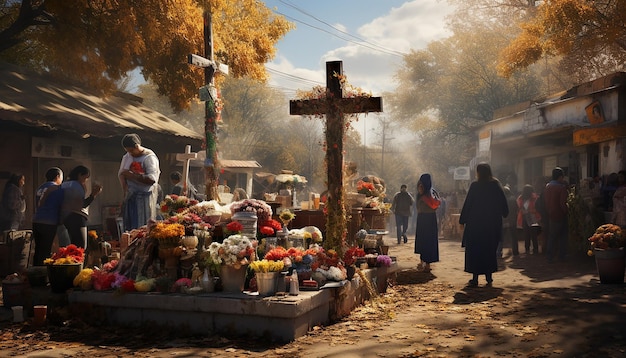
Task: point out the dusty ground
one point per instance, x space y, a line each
535 309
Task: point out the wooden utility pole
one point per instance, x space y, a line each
211 114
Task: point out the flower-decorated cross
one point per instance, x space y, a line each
335 107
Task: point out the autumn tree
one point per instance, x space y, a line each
98 42
453 84
589 38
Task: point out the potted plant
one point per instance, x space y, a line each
607 245
64 266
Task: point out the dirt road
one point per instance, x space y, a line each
534 309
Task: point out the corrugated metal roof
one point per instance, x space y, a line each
39 101
228 163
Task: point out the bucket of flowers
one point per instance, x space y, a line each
607 245
64 266
267 273
232 257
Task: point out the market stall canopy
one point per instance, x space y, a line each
290 178
39 100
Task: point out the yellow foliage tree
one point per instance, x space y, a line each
98 42
590 35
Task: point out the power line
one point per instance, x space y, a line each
377 46
293 77
379 49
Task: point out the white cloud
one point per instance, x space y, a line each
410 26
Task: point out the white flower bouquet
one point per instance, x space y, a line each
235 250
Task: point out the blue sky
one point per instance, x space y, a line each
372 36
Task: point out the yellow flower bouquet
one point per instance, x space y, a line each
267 266
168 234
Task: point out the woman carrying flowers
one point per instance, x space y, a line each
139 175
426 231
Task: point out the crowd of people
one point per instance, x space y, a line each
65 204
493 216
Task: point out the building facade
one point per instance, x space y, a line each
582 130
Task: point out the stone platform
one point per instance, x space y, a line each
283 318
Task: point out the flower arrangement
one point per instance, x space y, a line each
168 234
202 231
267 265
187 219
233 228
175 204
235 250
143 284
286 215
365 188
277 253
71 254
83 279
269 227
607 236
383 261
350 256
181 285
324 258
262 209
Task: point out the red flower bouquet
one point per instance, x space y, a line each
136 168
71 254
349 258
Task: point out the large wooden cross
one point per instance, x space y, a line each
335 106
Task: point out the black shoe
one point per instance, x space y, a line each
472 283
489 283
405 239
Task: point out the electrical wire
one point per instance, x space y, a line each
363 42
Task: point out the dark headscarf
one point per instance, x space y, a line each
430 196
427 182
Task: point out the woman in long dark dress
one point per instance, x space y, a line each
482 213
426 231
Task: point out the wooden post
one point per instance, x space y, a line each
185 158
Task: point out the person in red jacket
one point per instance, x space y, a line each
528 218
555 197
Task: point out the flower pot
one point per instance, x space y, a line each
233 279
610 264
61 277
267 282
